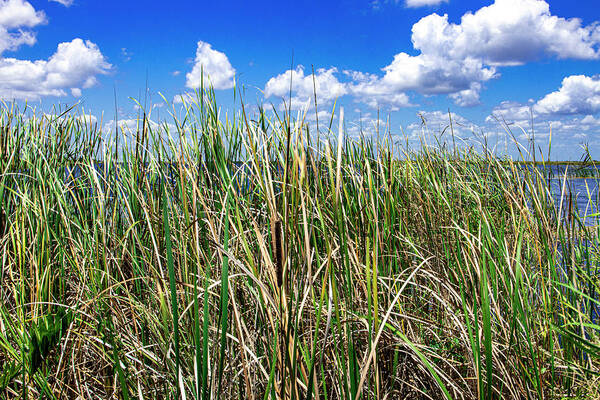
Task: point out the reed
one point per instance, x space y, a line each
241 257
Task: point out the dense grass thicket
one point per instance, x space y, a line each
249 258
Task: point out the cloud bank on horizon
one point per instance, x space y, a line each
452 57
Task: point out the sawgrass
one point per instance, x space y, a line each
241 258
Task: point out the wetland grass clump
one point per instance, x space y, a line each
235 259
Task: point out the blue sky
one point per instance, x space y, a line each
483 60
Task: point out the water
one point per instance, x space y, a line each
583 193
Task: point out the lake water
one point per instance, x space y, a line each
582 192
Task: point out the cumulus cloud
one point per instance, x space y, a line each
374 92
510 121
19 13
439 128
577 125
468 97
578 94
214 64
365 125
187 97
326 85
17 17
423 3
458 58
130 125
384 99
441 118
511 111
564 129
73 66
508 32
519 117
569 112
427 75
127 125
439 121
84 119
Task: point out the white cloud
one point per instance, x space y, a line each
324 116
507 32
568 113
577 124
451 129
423 3
73 66
214 64
564 129
378 96
129 126
85 119
439 121
510 111
374 92
19 13
591 120
183 98
468 97
389 101
188 98
126 125
66 3
327 86
148 108
16 18
442 118
365 125
428 75
457 59
578 94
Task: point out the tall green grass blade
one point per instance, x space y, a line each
172 285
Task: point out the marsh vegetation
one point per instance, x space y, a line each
251 258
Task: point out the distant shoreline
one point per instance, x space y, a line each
592 163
